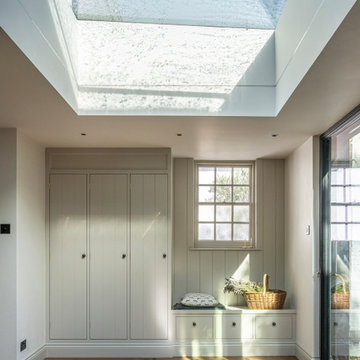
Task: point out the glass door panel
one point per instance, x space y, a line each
344 244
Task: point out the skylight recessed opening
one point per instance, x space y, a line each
162 55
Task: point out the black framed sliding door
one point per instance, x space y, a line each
340 239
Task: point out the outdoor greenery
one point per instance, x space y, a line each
338 288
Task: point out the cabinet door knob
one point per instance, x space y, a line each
234 323
335 323
123 256
274 324
83 256
194 324
164 256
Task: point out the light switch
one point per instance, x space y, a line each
307 231
5 229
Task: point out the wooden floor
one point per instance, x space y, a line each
191 358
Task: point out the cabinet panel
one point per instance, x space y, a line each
67 264
194 327
149 257
273 327
108 256
234 327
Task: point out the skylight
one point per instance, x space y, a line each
132 67
252 14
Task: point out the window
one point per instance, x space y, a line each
224 205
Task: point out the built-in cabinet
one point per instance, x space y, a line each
68 263
108 256
108 245
109 232
236 324
149 257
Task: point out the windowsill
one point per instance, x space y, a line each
224 249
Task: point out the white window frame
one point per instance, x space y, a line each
208 244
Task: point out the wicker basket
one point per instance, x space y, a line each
267 300
341 300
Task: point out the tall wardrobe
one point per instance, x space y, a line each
109 244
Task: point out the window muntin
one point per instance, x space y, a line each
224 205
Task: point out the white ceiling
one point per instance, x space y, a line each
329 90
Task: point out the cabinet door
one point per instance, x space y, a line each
67 261
149 257
108 256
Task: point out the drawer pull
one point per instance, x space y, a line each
335 323
234 323
274 324
194 324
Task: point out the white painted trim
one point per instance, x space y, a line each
301 354
137 350
39 354
206 348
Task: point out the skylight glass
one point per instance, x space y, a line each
123 67
251 14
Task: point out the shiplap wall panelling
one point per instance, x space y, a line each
218 275
149 257
270 226
280 223
68 232
195 271
181 227
108 256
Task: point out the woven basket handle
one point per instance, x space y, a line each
342 281
265 283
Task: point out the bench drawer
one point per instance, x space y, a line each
194 327
273 327
234 327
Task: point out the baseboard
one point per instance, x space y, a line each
146 350
39 354
134 350
301 354
234 349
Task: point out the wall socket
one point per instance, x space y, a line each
23 345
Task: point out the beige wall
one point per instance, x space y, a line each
301 197
8 346
22 253
205 271
30 245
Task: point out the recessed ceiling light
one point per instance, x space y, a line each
274 135
83 134
179 134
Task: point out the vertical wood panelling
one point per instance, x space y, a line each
231 267
206 270
218 275
269 206
67 266
256 265
108 268
193 273
149 279
280 228
259 204
206 264
181 227
190 201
